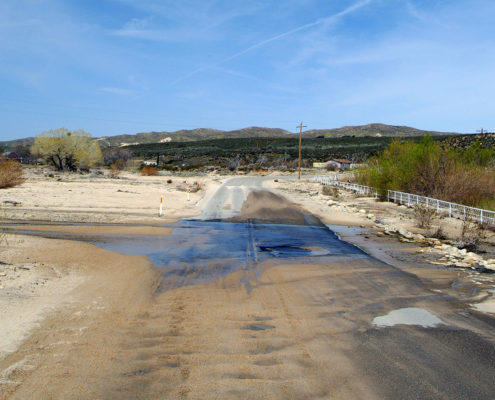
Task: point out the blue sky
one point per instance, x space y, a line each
127 66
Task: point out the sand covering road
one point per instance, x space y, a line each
110 337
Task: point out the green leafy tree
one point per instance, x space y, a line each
430 169
67 150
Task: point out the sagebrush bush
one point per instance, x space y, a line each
148 170
330 191
10 174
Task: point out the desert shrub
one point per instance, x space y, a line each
148 170
424 216
113 154
472 233
196 187
10 174
470 185
426 168
119 164
439 233
330 191
116 168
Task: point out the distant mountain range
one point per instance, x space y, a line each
205 134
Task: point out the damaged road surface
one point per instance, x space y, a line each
256 299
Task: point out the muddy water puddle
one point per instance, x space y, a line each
200 252
204 251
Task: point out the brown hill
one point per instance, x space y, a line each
185 135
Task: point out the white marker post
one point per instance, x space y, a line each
188 197
161 206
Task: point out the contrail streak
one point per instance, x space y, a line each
327 20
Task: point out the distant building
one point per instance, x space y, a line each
340 164
151 163
10 155
320 165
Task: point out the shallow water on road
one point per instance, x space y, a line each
409 316
198 251
205 251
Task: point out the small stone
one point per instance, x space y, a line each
362 211
404 233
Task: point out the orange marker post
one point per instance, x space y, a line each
161 206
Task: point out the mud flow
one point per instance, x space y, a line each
268 304
268 229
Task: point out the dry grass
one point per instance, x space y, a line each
472 187
10 174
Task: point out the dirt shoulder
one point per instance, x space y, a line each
57 293
44 281
97 198
82 322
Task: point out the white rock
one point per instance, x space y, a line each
362 211
461 265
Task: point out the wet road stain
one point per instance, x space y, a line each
205 251
258 327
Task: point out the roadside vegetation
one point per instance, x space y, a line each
248 154
67 150
10 174
434 169
148 170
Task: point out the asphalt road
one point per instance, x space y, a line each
257 300
287 310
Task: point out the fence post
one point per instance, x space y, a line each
450 210
481 216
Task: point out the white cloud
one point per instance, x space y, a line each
119 91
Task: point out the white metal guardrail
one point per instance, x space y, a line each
333 181
441 207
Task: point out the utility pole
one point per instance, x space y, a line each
301 126
482 131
